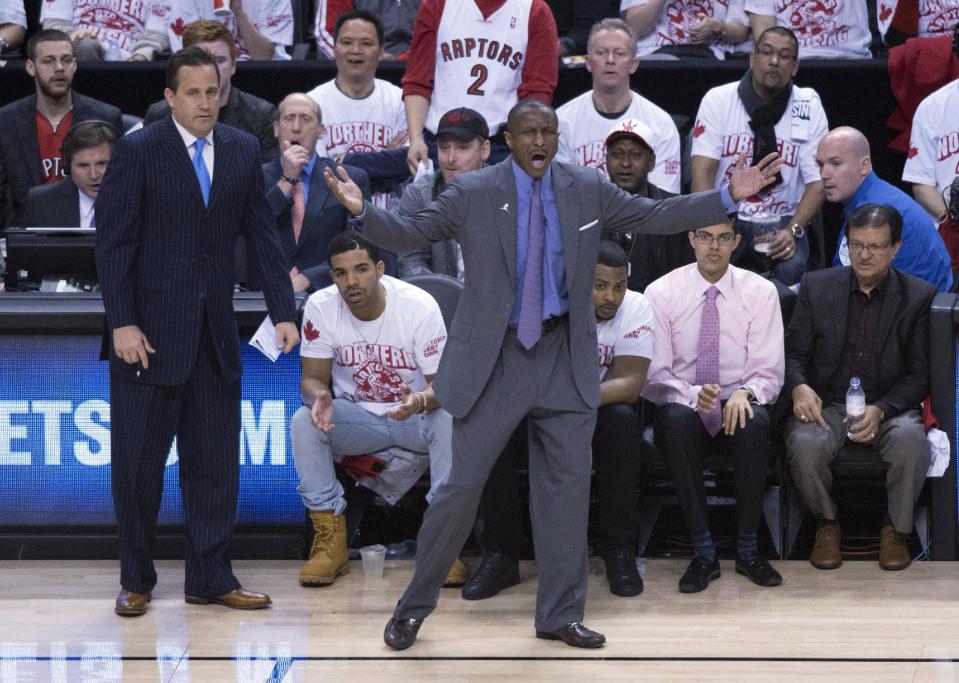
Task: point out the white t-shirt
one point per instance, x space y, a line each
479 62
826 29
936 17
933 157
722 132
120 21
272 18
678 16
12 12
583 131
628 333
366 125
372 359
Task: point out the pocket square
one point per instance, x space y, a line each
589 225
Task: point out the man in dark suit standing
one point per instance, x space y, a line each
32 128
523 343
174 199
306 212
69 202
869 321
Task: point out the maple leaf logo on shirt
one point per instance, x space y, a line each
699 129
912 152
310 332
885 11
178 26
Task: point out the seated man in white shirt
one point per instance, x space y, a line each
69 202
932 163
826 30
674 29
718 363
111 30
380 340
262 29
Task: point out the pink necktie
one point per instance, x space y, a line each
298 211
707 360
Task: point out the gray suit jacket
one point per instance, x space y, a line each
439 257
478 211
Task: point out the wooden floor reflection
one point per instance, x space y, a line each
855 623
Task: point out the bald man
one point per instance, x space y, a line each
845 165
307 215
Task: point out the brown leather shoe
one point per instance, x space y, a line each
893 551
826 554
236 599
130 604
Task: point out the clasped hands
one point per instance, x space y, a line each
734 412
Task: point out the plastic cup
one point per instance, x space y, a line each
221 8
765 227
373 557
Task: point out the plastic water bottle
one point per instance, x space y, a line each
113 53
855 404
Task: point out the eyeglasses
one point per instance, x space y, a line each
768 53
724 239
860 247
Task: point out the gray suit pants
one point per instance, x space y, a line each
537 383
900 442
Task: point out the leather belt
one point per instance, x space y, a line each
550 324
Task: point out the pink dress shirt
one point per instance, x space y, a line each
751 351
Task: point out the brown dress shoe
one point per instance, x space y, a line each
826 554
236 599
893 551
130 604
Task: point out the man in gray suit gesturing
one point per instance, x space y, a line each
523 343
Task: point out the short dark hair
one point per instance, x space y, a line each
362 15
876 216
188 56
530 103
779 31
351 240
85 135
611 255
47 35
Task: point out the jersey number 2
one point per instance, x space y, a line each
480 73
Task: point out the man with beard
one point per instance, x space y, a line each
765 112
380 340
32 129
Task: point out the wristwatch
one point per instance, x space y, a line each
291 181
797 230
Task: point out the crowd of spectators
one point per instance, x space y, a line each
469 63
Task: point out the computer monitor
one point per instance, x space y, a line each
34 254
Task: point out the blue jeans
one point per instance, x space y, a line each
359 432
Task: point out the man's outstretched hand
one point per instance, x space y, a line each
747 181
345 190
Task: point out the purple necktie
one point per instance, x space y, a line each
93 221
530 327
707 360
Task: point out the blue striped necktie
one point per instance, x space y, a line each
200 168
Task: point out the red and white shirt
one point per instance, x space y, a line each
583 131
722 132
119 21
372 359
49 144
364 125
936 17
933 157
628 333
826 29
482 54
272 18
678 16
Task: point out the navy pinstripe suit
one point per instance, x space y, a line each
166 265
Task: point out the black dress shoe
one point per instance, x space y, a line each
496 572
624 579
698 575
758 569
401 633
574 634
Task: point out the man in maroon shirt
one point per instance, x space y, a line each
481 54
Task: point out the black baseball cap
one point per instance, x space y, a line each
464 124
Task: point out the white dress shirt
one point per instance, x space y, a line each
189 139
86 210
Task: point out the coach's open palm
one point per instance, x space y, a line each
345 190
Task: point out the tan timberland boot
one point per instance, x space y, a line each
328 557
